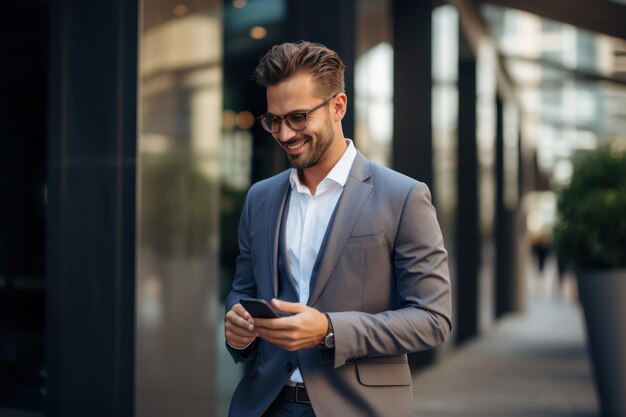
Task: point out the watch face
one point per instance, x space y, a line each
329 340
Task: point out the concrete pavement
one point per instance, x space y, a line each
533 365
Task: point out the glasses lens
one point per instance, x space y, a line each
296 121
270 123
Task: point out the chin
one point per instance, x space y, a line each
301 164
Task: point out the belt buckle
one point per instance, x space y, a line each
301 388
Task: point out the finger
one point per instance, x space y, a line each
238 342
288 307
236 320
237 336
245 329
283 323
241 311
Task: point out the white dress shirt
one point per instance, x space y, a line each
307 221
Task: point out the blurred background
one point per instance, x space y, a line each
128 141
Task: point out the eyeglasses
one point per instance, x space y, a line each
295 120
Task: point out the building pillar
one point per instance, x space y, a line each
412 91
90 272
467 230
331 23
506 254
412 99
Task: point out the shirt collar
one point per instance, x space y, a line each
339 173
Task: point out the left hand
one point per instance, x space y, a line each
305 328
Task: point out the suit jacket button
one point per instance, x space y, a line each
289 366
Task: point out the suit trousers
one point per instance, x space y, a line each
287 408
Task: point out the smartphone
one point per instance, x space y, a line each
259 308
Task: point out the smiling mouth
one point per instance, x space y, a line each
297 145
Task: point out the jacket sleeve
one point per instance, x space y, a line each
420 264
244 284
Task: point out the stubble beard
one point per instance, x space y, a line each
318 148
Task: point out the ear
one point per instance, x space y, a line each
340 106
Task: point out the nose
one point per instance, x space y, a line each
285 133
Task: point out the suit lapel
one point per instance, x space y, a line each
352 200
277 207
283 266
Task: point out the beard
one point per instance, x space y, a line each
318 147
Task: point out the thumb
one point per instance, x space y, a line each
288 307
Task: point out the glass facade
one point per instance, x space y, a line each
445 108
179 183
571 86
373 74
486 102
248 152
199 149
66 272
23 153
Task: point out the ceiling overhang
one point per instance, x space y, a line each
599 16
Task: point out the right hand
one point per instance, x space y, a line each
239 327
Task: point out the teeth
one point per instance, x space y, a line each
296 146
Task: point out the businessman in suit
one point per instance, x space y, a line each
350 251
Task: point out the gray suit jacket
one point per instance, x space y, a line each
383 278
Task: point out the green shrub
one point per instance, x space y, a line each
591 228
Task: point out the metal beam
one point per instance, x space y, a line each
599 16
477 36
578 74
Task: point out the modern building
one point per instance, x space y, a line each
129 140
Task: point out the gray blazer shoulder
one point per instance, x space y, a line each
269 185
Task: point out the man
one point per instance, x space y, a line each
350 251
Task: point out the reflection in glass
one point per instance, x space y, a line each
373 74
510 155
445 113
445 26
248 153
179 200
570 81
486 142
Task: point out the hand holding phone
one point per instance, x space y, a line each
259 308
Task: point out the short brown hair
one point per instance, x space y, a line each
288 59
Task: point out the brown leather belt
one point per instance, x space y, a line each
295 393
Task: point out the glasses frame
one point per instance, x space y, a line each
285 117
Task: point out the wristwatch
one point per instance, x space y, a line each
328 342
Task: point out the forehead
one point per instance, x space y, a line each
294 93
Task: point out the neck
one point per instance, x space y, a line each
312 176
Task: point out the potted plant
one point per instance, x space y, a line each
590 238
